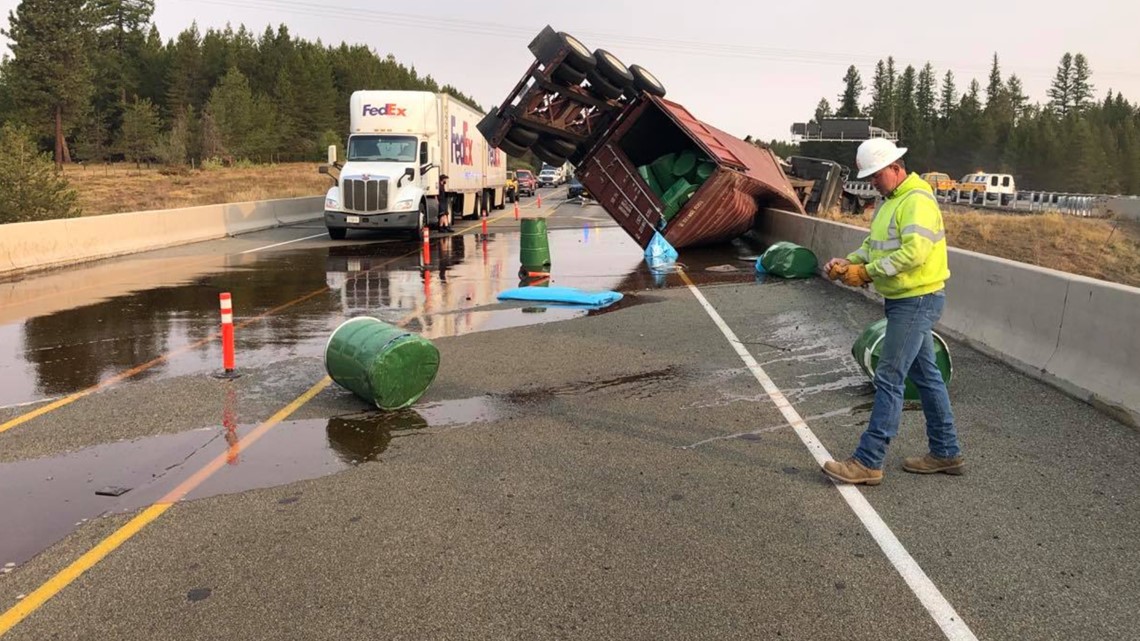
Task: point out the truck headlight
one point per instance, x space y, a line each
331 203
405 204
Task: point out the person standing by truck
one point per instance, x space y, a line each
444 206
905 257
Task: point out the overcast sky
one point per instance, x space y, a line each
746 66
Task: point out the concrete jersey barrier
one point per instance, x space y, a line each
52 243
1079 334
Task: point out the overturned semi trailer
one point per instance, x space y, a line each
648 161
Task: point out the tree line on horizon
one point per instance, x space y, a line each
93 80
1074 142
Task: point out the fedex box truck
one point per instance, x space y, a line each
399 145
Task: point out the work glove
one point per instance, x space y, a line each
835 270
856 276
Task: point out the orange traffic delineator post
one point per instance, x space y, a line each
516 210
484 226
227 307
539 200
426 234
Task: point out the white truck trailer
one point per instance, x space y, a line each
399 144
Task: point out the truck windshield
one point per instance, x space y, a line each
382 148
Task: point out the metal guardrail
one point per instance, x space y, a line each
1084 205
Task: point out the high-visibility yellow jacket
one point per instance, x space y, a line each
905 253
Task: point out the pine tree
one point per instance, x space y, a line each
924 94
852 91
1061 91
822 110
1080 87
230 110
49 76
186 85
30 188
948 97
138 137
1016 94
882 97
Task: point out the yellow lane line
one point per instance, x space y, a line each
66 576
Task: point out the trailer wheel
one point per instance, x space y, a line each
613 69
579 56
337 233
601 87
547 156
568 74
559 146
647 82
512 149
522 136
489 125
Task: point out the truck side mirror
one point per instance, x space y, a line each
408 173
332 154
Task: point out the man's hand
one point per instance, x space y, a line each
856 276
835 267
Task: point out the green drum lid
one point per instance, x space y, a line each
685 163
869 346
381 363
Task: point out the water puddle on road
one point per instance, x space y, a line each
44 500
66 332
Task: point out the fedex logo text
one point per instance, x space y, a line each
384 110
461 145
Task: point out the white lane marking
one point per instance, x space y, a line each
288 242
35 402
939 608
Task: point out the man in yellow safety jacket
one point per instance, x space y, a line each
904 256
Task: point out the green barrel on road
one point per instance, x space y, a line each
869 346
789 260
382 364
534 246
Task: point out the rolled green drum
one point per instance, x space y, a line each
381 363
869 346
534 246
789 260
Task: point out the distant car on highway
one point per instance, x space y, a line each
548 178
576 189
527 182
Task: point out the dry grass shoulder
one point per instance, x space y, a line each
1098 248
112 189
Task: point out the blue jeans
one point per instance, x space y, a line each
908 351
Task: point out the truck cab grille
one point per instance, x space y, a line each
365 196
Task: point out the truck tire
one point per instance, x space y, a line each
489 125
522 136
612 69
559 146
512 149
579 56
647 82
601 87
547 156
567 74
337 233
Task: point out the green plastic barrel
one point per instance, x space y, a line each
650 179
869 346
702 171
676 197
685 163
534 246
382 364
789 260
663 169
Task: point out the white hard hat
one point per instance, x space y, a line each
874 154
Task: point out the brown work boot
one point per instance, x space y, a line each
852 471
931 464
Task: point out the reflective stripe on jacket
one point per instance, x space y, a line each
905 253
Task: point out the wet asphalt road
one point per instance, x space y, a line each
570 474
